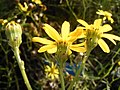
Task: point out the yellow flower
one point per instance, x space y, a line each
96 32
106 15
37 2
52 72
60 40
25 8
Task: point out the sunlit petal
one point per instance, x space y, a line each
110 19
104 18
107 14
65 30
97 23
100 12
46 47
77 48
49 75
75 34
52 50
56 71
47 68
69 52
42 40
52 77
56 76
23 8
82 22
105 28
112 40
103 45
111 37
51 32
52 66
78 31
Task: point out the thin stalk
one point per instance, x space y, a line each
71 9
16 80
84 6
22 68
79 70
62 76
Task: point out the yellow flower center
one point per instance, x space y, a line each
52 70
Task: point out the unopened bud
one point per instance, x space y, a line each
13 33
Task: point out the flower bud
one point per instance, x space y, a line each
13 33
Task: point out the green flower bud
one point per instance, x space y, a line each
13 33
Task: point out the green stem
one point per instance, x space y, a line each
22 68
79 70
84 6
62 76
71 9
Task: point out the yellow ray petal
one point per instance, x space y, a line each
112 40
110 19
52 50
56 76
75 34
82 22
112 36
103 45
46 47
49 75
107 14
52 77
97 23
100 12
47 69
52 66
23 8
105 28
42 40
78 31
104 18
56 71
69 52
65 30
77 48
51 32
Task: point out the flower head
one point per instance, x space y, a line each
106 15
96 32
52 72
64 40
13 32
